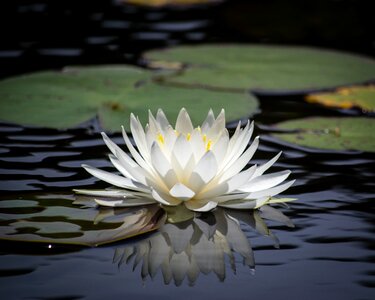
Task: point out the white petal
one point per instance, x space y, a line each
116 179
183 123
162 120
266 166
138 158
206 168
197 144
221 146
165 199
124 203
200 206
208 122
116 149
229 197
218 126
139 136
240 179
241 162
103 193
115 162
136 172
182 192
159 161
182 151
241 204
265 182
271 192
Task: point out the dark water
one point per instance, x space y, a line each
329 254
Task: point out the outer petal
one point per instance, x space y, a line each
266 166
116 179
271 192
264 182
239 204
125 203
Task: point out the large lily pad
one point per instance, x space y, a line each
75 95
330 133
362 97
264 69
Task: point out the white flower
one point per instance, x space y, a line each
200 167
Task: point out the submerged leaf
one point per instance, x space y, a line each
330 133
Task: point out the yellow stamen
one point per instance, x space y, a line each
188 137
208 146
204 137
160 138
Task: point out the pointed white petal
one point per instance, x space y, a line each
139 136
162 120
218 126
197 145
182 192
241 162
103 193
208 122
159 161
240 179
183 123
271 192
239 204
124 203
264 182
138 158
182 151
116 179
266 166
221 146
116 149
206 168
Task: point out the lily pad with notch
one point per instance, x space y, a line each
266 70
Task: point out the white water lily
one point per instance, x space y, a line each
200 167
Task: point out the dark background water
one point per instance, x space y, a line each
330 252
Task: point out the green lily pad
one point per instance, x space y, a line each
75 95
264 69
54 219
347 97
330 133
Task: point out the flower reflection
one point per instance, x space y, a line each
187 244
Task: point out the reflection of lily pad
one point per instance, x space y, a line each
53 219
265 69
348 97
330 133
69 98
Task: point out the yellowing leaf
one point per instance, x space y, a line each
347 97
